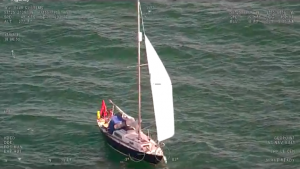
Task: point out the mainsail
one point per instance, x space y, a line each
162 94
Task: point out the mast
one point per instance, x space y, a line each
139 68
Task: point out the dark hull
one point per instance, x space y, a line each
131 153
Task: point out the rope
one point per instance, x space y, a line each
142 19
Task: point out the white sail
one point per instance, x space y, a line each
162 94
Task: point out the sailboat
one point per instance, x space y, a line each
121 131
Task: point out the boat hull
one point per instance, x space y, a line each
134 155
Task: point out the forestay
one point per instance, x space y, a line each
162 94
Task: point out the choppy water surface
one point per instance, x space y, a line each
236 84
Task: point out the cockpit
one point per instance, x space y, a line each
121 121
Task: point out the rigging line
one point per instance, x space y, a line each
142 19
148 126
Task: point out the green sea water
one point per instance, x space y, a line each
235 69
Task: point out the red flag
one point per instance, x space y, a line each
103 110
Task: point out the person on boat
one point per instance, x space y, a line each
116 123
109 113
108 116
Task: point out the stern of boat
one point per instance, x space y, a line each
102 122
